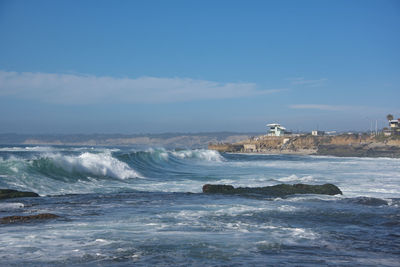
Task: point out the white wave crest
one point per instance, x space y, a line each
50 149
103 164
26 149
203 154
10 206
295 178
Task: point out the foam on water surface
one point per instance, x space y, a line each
202 154
11 206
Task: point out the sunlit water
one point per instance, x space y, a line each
123 206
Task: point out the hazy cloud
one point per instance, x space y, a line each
84 89
322 107
309 83
366 113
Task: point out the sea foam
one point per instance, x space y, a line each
202 154
10 206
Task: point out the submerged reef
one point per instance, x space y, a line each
29 218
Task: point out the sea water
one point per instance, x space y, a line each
144 207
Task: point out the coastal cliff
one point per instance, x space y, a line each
346 145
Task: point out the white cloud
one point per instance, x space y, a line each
84 89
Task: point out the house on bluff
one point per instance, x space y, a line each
394 128
276 129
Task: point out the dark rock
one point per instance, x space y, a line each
359 151
226 147
218 188
29 218
274 191
10 193
369 201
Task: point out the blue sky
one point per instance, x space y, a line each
196 66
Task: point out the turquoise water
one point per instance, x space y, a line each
126 206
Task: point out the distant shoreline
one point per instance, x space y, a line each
281 152
340 146
167 140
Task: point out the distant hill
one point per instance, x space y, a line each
167 140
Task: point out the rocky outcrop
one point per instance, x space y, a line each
10 193
368 201
29 218
274 191
218 189
226 147
363 150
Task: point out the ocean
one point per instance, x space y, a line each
144 207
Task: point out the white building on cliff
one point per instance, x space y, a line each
394 128
276 129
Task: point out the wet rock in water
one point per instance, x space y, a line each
274 191
29 218
218 188
359 150
369 201
10 193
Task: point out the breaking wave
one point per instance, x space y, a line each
295 178
161 156
85 164
69 167
61 170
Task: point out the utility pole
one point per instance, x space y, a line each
376 127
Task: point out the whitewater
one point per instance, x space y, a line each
126 206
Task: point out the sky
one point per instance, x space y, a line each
197 66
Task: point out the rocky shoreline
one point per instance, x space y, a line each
10 194
280 190
359 151
354 145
